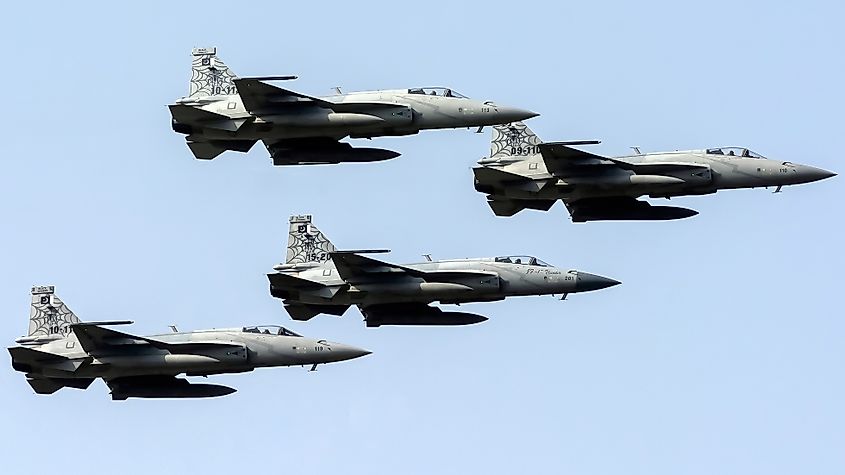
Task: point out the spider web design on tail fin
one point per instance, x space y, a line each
306 243
48 314
513 141
209 75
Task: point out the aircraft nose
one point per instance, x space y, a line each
513 114
586 282
341 352
809 174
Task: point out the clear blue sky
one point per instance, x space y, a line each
721 353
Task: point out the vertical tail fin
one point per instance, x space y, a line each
48 315
306 243
513 142
209 75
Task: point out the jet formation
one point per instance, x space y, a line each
224 112
317 278
522 172
62 351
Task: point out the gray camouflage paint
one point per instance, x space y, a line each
446 281
59 355
364 114
514 149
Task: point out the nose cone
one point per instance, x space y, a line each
808 174
586 282
507 114
341 352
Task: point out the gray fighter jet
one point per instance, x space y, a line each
317 278
223 112
524 173
61 351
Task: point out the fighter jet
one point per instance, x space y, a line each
224 112
524 173
317 278
62 351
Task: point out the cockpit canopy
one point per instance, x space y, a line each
525 260
269 330
734 152
436 91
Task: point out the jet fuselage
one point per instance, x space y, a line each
453 281
244 351
411 113
716 172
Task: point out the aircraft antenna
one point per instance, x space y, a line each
337 90
636 149
427 257
173 328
